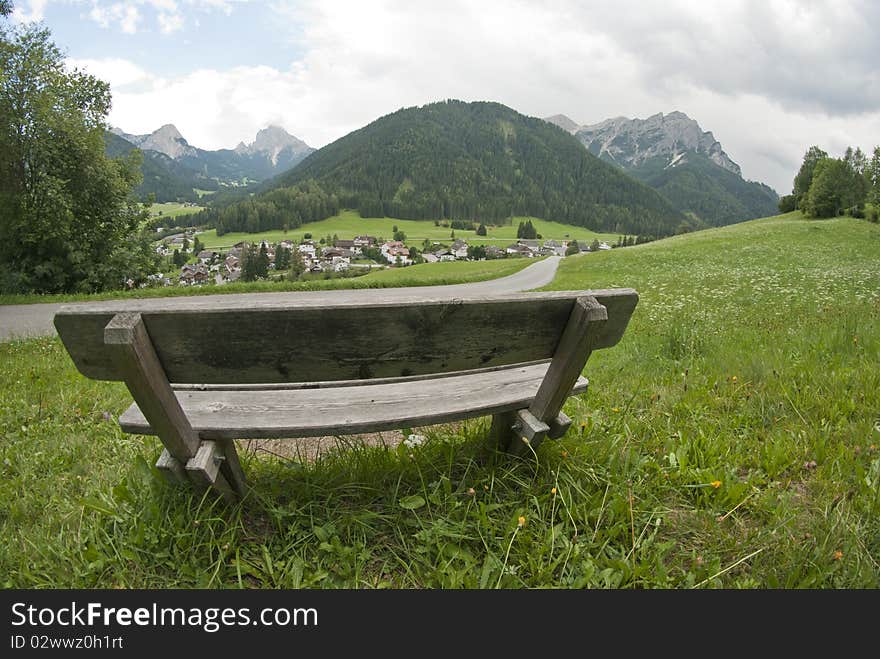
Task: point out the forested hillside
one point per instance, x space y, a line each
714 195
472 161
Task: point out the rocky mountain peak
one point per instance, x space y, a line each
564 122
631 142
271 141
167 140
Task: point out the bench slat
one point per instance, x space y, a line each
353 409
283 337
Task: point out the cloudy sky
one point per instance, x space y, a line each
768 78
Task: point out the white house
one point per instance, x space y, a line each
396 252
459 249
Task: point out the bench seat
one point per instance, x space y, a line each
344 408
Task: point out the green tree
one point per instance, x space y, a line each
481 230
249 263
197 246
476 252
573 248
526 230
297 265
829 189
398 235
804 177
5 7
872 177
262 262
282 258
66 209
594 246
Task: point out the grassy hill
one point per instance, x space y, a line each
348 224
730 440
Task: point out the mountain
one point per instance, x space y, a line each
164 178
675 156
565 123
273 151
479 161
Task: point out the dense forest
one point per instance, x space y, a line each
713 194
481 162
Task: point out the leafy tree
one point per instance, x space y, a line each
66 209
804 177
5 7
185 246
178 258
197 246
398 235
829 189
573 248
872 177
594 246
481 230
476 252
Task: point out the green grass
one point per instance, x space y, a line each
349 224
173 209
750 364
426 274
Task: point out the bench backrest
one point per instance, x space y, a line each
339 335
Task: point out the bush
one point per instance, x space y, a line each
873 214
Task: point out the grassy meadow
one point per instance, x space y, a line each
349 224
173 209
729 441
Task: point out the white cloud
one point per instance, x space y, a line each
769 79
169 23
34 10
124 15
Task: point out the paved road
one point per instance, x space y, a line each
24 320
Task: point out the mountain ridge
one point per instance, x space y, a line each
686 164
272 152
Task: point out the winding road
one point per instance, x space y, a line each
29 320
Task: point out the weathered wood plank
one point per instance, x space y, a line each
171 468
559 426
231 467
266 338
501 432
129 346
351 410
577 342
204 471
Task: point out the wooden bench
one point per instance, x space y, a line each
209 370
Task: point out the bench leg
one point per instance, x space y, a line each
501 433
130 347
231 467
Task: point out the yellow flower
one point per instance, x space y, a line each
565 454
733 378
837 555
552 490
715 484
615 409
521 522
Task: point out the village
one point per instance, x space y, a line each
343 257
